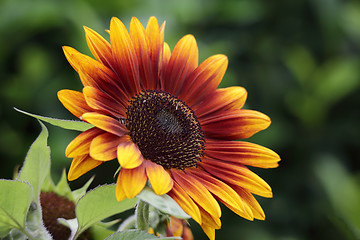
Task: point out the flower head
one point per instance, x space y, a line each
160 114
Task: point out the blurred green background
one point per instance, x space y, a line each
299 61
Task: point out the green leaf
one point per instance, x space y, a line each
37 164
62 188
164 203
66 124
131 234
72 224
99 204
100 232
15 199
78 193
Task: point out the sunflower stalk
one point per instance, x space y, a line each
142 215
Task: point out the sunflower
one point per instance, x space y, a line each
160 114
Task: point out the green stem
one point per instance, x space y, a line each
142 216
28 234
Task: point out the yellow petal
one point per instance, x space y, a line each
104 146
210 232
81 165
129 155
160 179
132 180
125 56
222 191
105 123
99 47
80 145
119 192
197 192
185 202
184 59
74 102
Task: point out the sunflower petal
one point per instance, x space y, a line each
247 213
74 102
132 181
250 200
80 145
221 100
165 55
119 192
185 202
222 191
99 47
156 40
204 79
95 73
160 179
209 220
105 123
234 124
184 59
197 192
104 102
237 175
129 155
104 146
125 56
242 152
209 231
141 46
81 165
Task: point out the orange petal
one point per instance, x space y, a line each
95 74
104 146
237 175
104 102
184 59
99 47
197 191
220 100
222 191
209 220
204 79
124 53
129 155
185 202
81 165
252 203
69 51
209 231
141 46
132 181
246 213
160 179
105 123
165 55
80 145
242 152
74 102
98 72
234 124
119 192
156 40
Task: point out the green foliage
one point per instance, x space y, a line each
99 204
163 203
15 199
131 234
66 124
37 164
341 189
